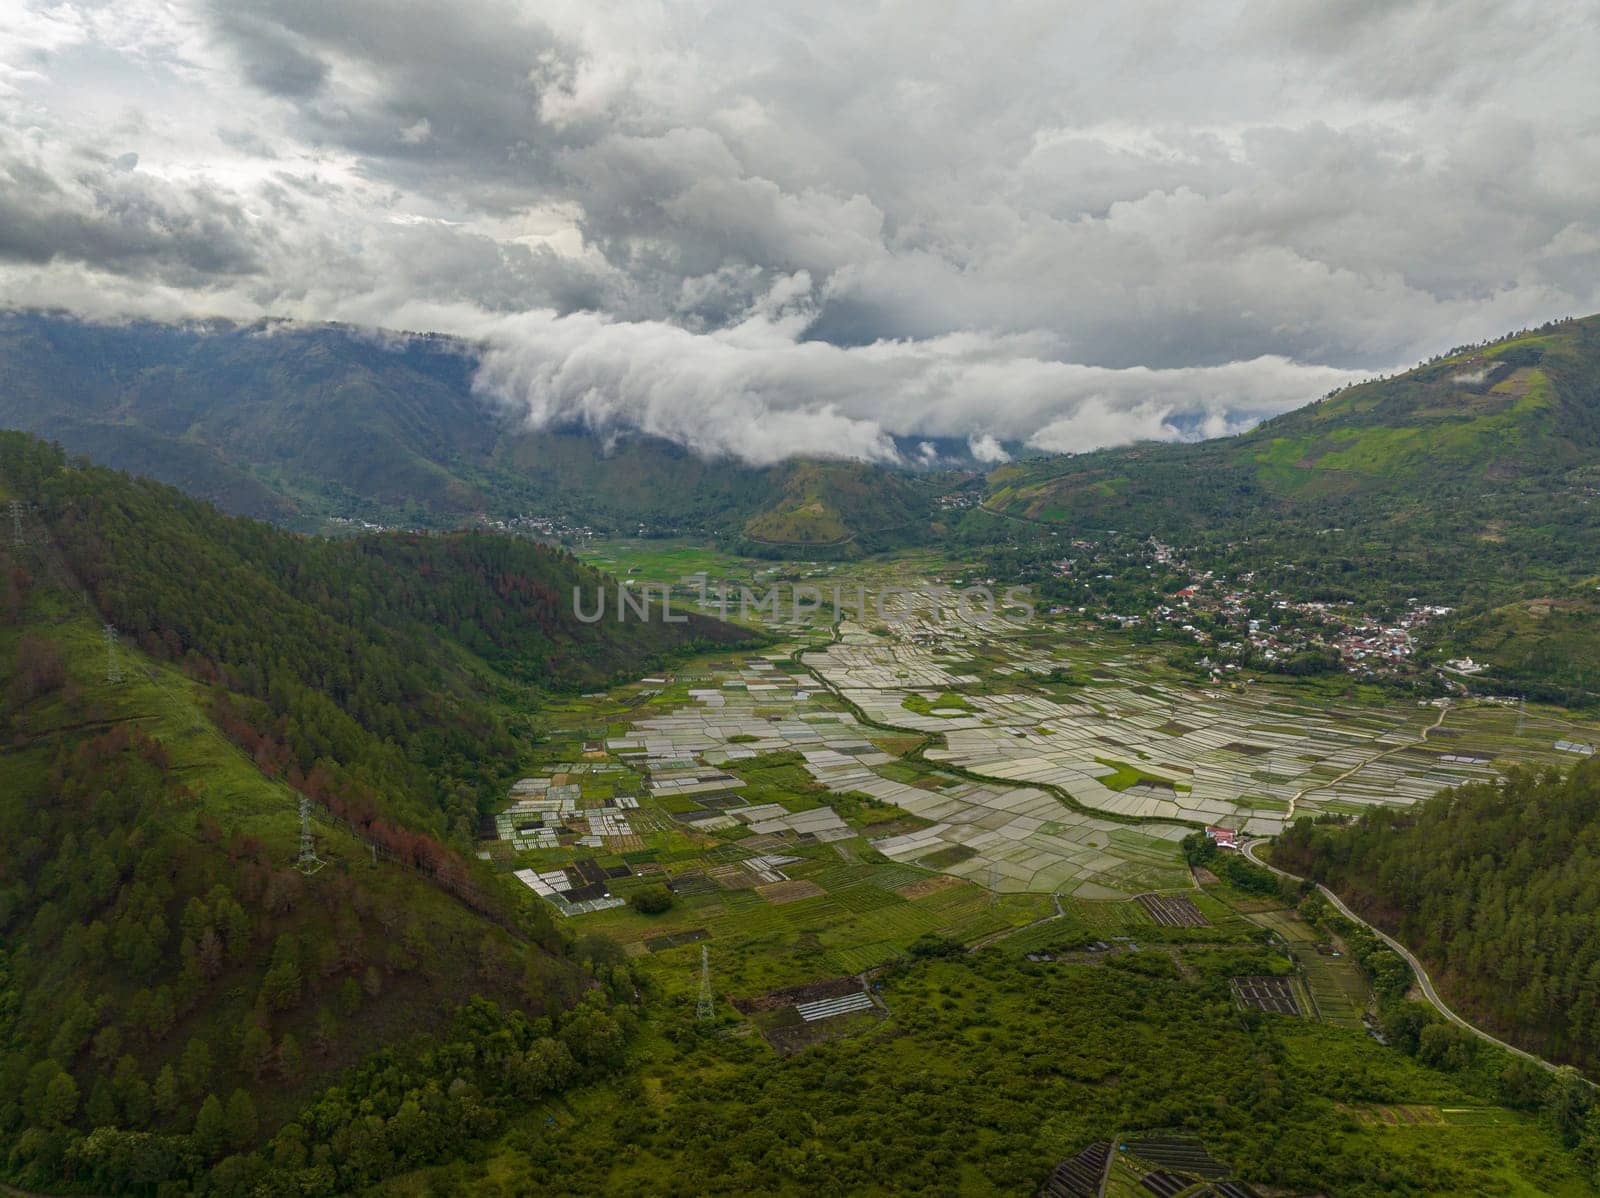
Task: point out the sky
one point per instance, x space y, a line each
765 229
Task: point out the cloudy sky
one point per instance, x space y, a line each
768 228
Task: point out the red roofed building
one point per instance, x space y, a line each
1224 838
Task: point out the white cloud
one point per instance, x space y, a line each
825 224
984 448
757 392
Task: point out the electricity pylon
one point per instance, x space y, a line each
309 862
705 1009
113 666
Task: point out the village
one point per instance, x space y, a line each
1239 626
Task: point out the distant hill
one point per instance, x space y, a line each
1452 480
830 504
1523 411
172 988
297 423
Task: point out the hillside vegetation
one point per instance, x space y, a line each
297 423
172 989
831 504
1496 888
1470 482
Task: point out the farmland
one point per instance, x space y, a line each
889 842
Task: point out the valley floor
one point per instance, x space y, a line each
834 815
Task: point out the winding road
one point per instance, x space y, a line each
1424 982
1444 710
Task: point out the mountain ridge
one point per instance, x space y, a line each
296 423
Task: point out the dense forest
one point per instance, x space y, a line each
367 672
172 989
1496 888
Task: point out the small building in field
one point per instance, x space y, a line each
1223 838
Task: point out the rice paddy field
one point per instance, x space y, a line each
935 886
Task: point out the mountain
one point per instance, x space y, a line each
832 504
1470 482
172 988
299 423
1493 450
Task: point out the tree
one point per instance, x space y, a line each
240 1121
38 670
194 1067
101 1109
60 1101
133 1094
651 900
326 1033
210 1126
210 953
255 1050
289 1061
164 1094
107 1044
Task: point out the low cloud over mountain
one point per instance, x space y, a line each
768 230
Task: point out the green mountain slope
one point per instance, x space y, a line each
1484 447
1470 482
172 989
296 423
835 503
1495 888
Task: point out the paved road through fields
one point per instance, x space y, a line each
1424 982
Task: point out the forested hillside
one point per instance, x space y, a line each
297 423
1495 447
1496 888
172 989
364 671
1470 482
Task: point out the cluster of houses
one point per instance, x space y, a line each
1227 616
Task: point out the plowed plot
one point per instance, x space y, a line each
1265 994
1163 1184
657 944
789 892
1238 746
926 886
795 995
780 1016
732 877
691 883
1079 1176
1173 911
1372 1114
1183 1154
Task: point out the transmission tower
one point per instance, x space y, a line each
113 666
16 522
1522 712
309 862
705 1009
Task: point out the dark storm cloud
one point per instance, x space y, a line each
109 217
780 228
272 57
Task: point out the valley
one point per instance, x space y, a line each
823 786
660 600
